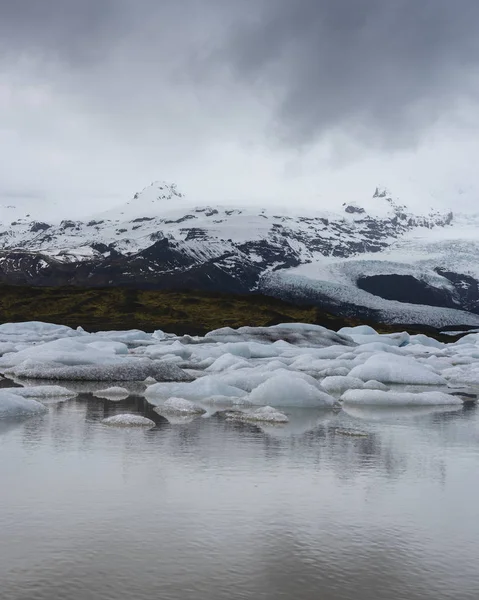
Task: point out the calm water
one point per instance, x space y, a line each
210 510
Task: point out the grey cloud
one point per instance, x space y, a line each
109 94
379 71
72 31
382 70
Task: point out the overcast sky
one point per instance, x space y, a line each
310 101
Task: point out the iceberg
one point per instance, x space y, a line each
127 420
389 368
289 389
13 406
379 398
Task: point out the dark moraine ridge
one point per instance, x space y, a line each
182 312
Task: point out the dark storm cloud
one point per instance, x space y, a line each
380 68
381 71
68 30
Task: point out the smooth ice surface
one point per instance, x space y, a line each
13 406
388 368
289 389
379 398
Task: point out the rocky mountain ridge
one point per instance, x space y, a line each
153 242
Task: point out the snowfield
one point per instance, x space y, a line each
264 373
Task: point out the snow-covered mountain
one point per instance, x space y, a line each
387 264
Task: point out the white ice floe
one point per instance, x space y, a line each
227 362
388 368
379 398
13 406
31 332
289 389
121 369
205 388
127 420
112 393
337 385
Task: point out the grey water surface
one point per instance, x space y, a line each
212 510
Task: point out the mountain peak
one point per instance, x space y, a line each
153 200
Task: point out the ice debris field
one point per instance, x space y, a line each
253 375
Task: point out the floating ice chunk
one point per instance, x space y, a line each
375 385
366 335
132 336
289 389
179 407
399 339
227 362
66 352
127 420
423 340
13 406
35 331
112 393
43 392
389 368
123 369
176 348
337 385
463 375
265 414
379 398
359 330
159 335
203 388
245 379
471 338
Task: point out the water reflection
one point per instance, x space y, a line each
213 509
